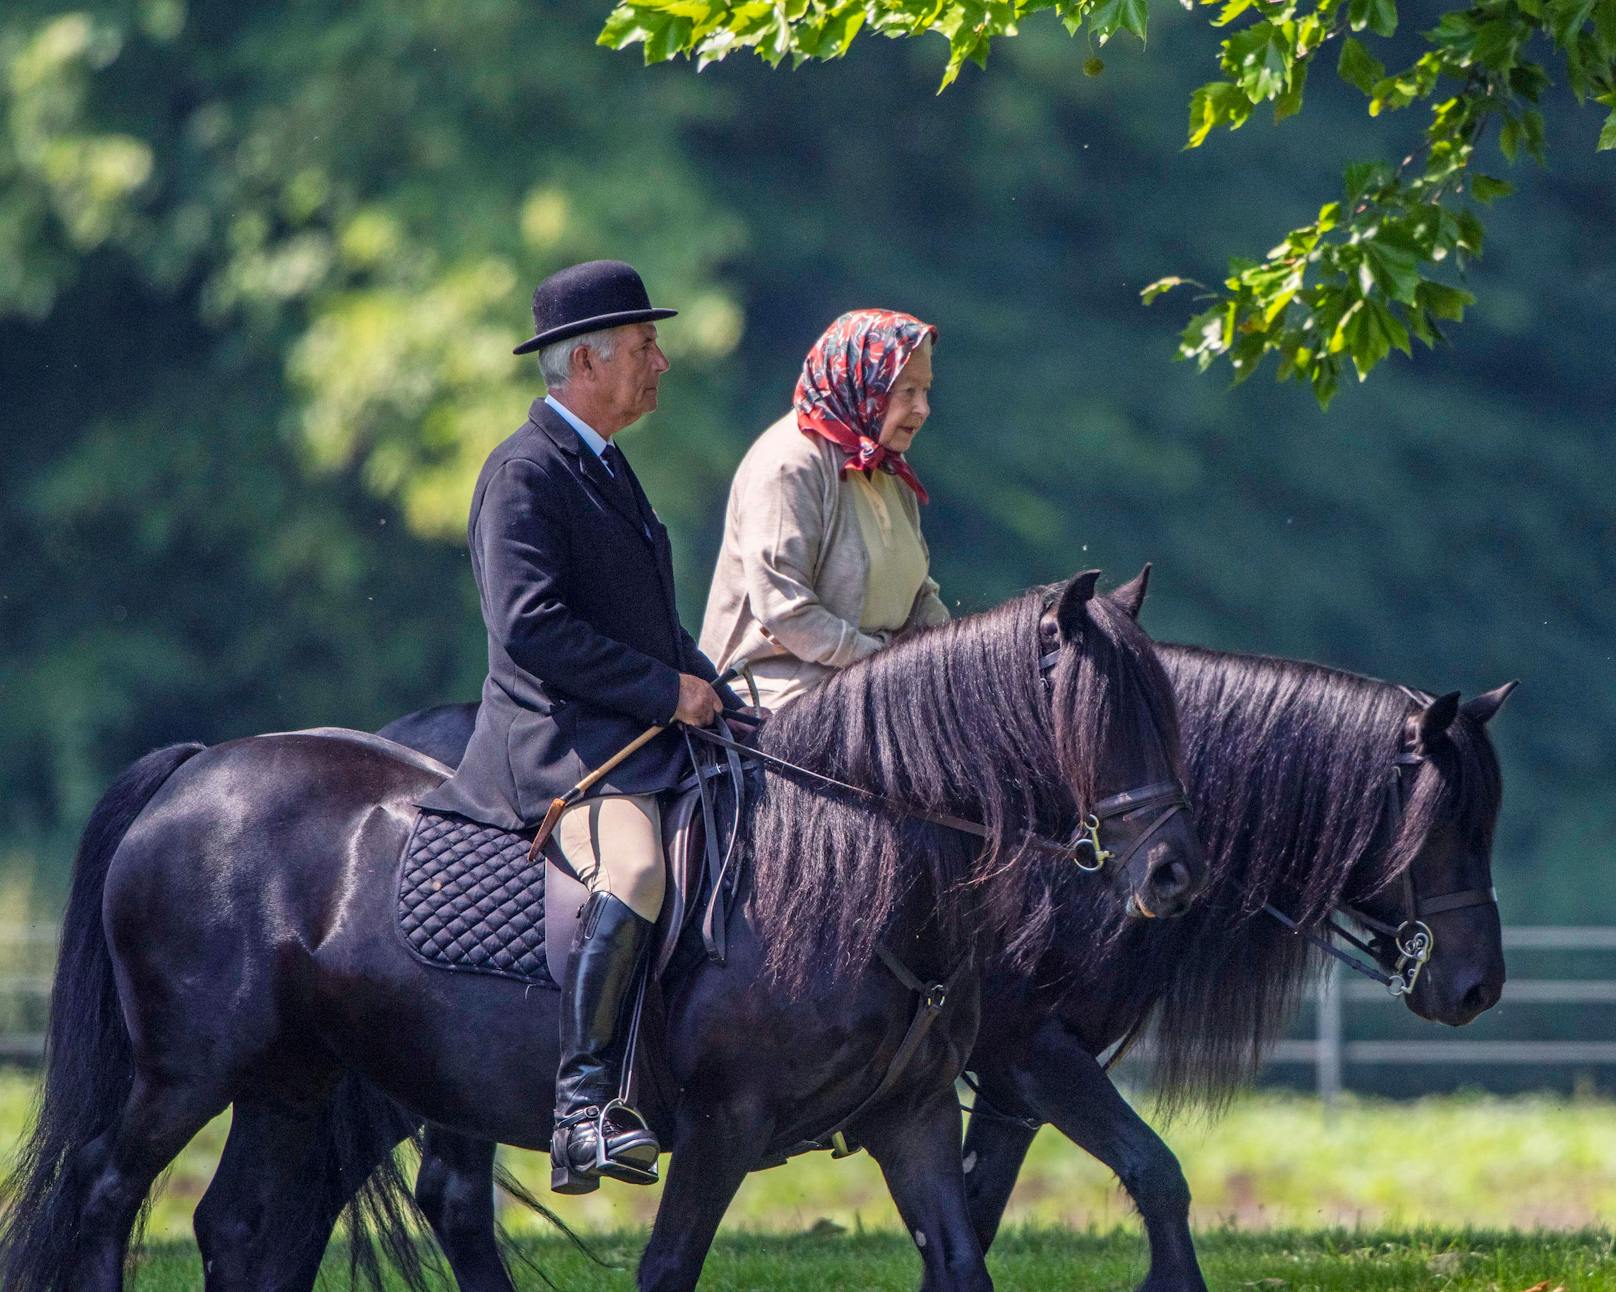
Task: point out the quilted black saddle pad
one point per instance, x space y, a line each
469 899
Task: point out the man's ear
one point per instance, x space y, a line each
1071 611
1131 595
1482 707
1434 720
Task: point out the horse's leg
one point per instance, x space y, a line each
157 1120
455 1189
995 1147
1064 1083
713 1149
920 1157
263 1223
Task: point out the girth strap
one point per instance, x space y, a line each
933 999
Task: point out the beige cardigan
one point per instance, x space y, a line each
793 567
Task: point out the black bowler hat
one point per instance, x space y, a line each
595 294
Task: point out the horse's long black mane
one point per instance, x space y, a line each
1289 767
955 719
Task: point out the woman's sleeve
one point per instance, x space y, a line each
783 513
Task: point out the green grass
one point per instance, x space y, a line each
1274 1161
1038 1258
1459 1193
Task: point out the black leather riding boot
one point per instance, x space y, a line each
596 1133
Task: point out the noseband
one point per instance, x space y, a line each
1412 938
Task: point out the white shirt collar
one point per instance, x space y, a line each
587 433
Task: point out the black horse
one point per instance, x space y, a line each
1316 790
229 940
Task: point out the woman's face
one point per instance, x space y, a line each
909 404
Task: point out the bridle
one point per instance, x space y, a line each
1412 939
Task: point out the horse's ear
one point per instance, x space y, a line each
1069 613
1435 719
1131 595
1482 707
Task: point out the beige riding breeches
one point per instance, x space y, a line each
615 846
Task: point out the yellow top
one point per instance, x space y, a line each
897 556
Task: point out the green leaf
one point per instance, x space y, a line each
1607 135
1380 16
1110 16
1289 103
1357 66
1159 287
1259 58
1213 104
1485 189
1364 177
1444 302
1395 268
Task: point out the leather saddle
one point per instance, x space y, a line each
699 881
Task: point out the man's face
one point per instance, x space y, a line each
626 384
909 404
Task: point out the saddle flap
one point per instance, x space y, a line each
683 839
564 898
684 836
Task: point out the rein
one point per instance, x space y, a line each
1167 798
1413 939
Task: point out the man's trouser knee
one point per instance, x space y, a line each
615 846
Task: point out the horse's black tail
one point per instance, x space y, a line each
360 1131
361 1128
88 1068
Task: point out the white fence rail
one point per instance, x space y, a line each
1330 1050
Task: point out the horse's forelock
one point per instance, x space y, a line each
1113 690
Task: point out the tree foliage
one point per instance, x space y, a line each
252 362
1382 263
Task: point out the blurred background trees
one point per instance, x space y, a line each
261 268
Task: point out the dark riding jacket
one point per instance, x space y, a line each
585 648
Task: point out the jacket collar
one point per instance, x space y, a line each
555 426
593 470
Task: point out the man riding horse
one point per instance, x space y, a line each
585 650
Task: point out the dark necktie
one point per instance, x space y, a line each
617 464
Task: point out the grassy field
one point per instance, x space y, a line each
1033 1259
1454 1193
1273 1162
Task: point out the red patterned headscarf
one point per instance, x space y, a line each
846 381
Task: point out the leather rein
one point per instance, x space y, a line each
1085 850
1413 940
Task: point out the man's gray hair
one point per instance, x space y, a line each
555 360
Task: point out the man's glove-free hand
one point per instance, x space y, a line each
698 702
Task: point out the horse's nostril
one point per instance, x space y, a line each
1482 996
1170 880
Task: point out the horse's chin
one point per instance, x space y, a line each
1453 1014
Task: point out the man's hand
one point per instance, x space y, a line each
698 702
